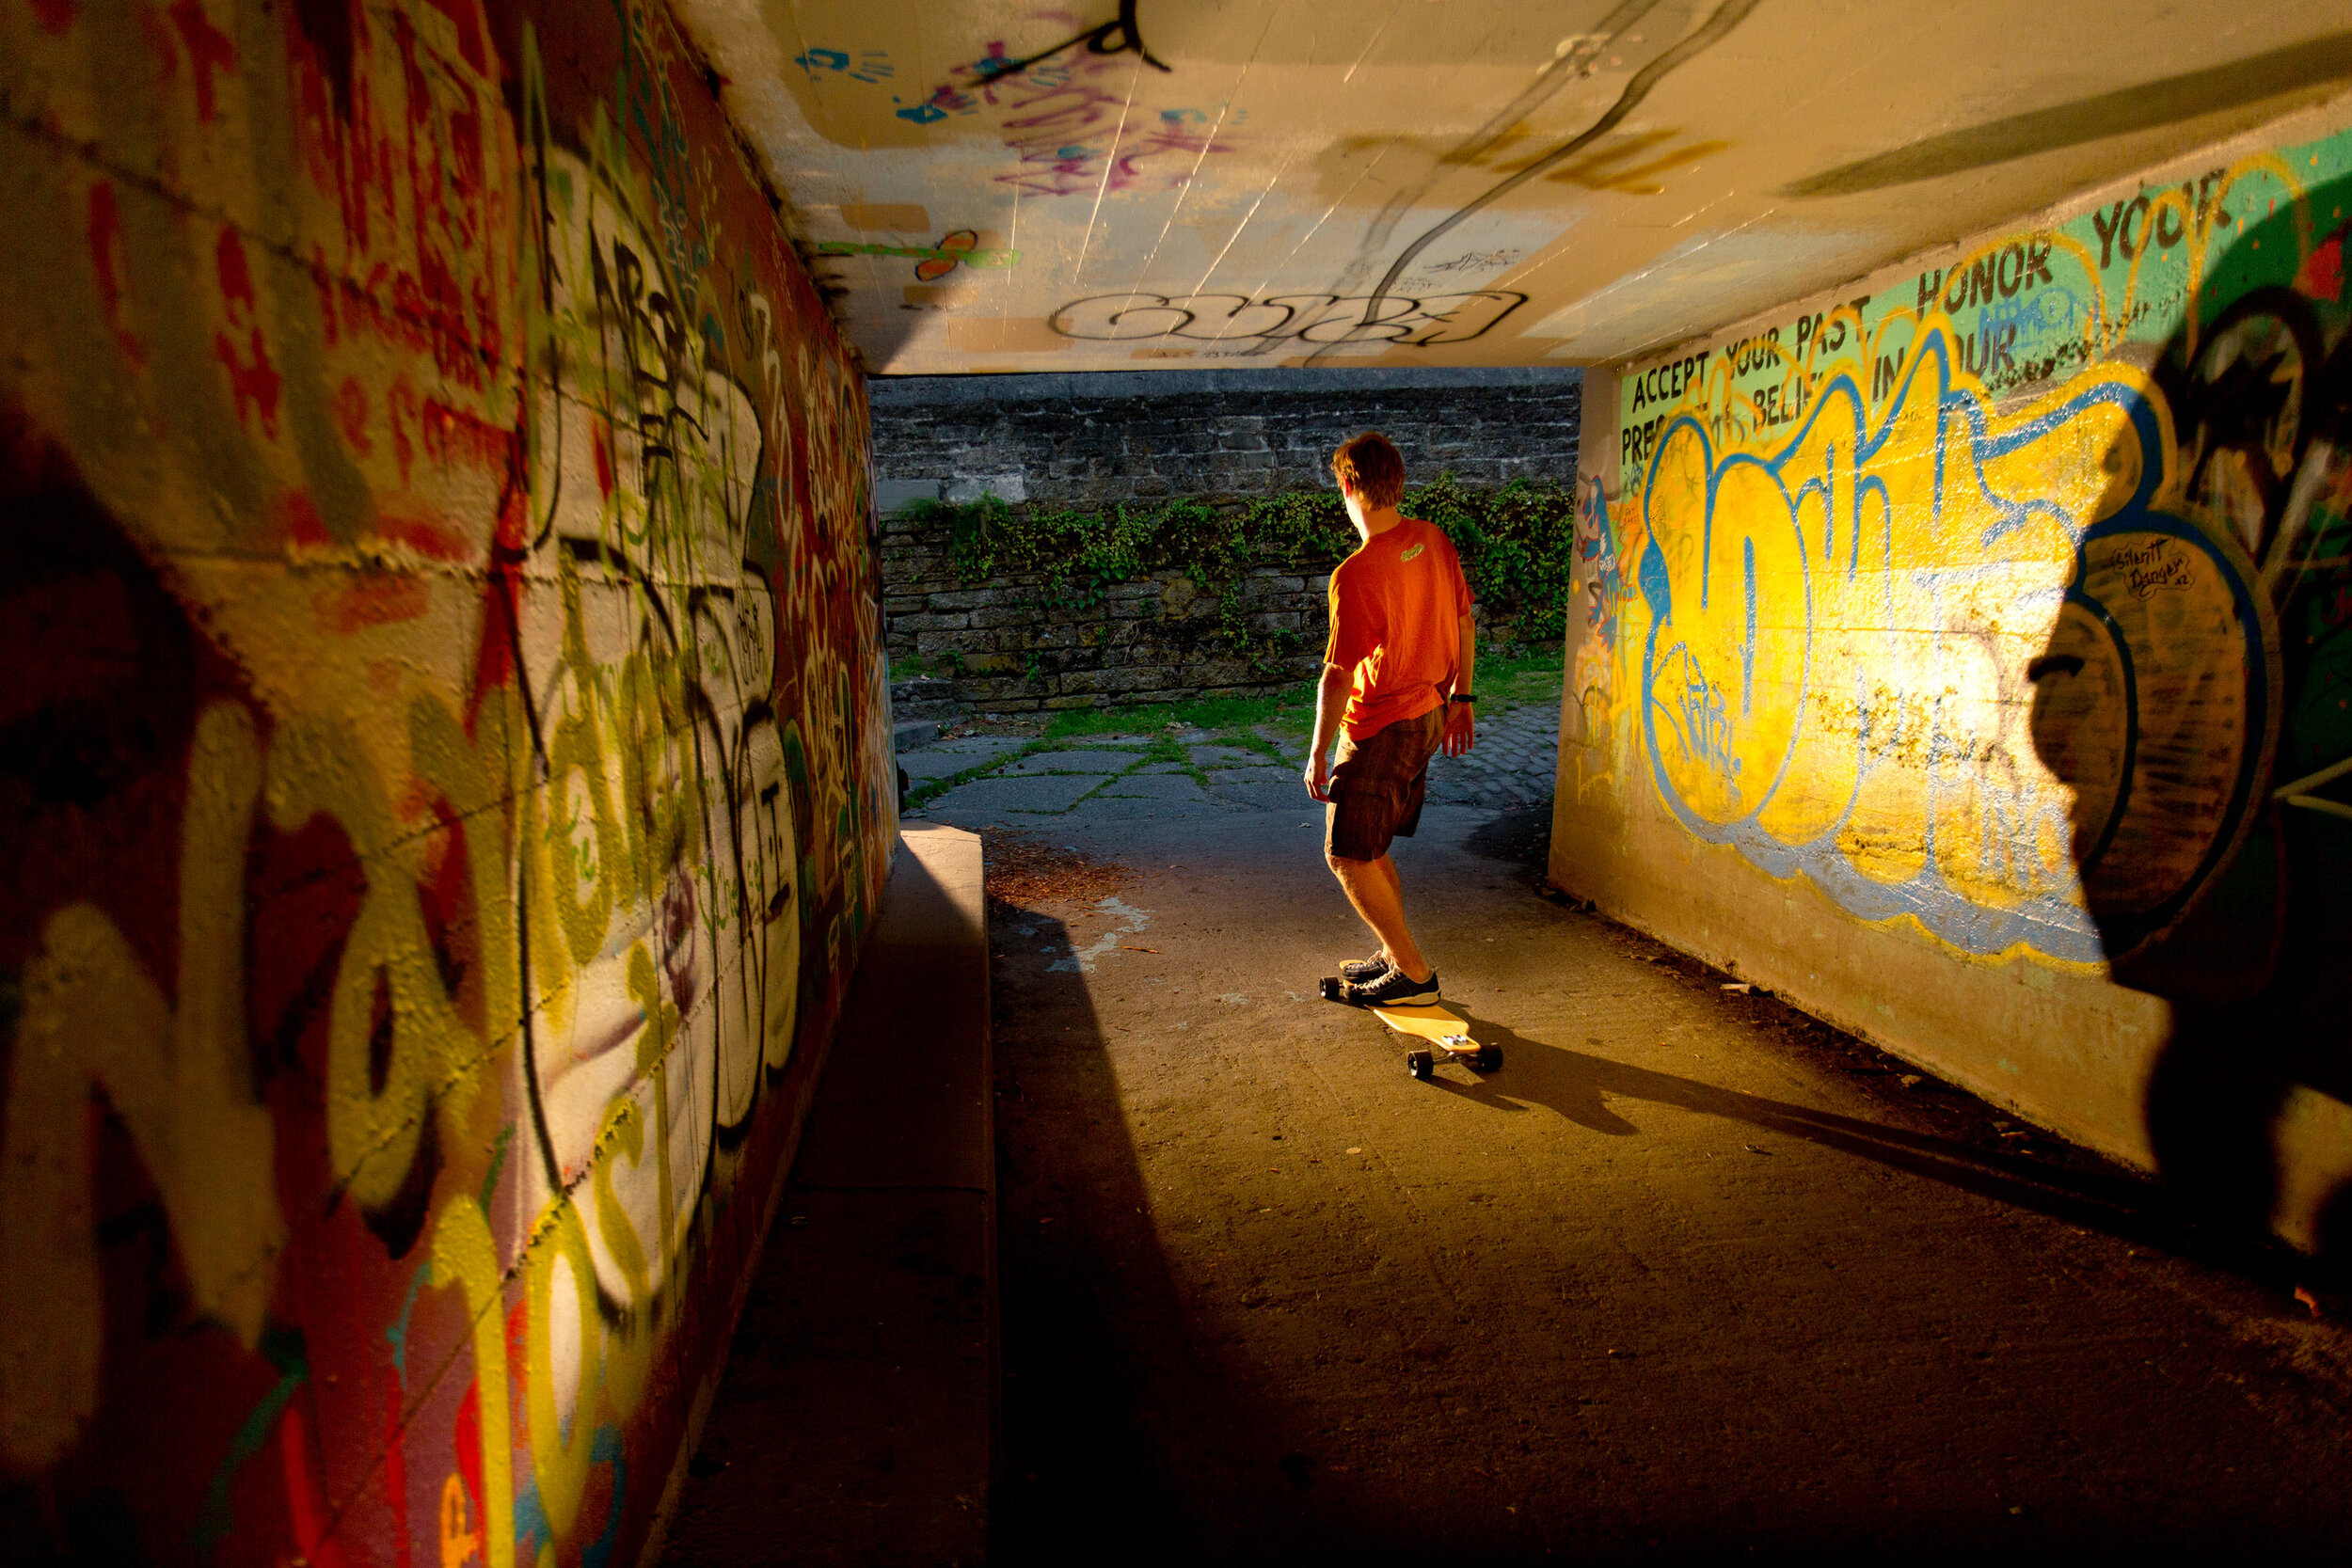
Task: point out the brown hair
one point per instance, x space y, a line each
1368 465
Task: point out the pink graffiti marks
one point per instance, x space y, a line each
453 778
1071 114
1073 140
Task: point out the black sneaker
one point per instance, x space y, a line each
1393 990
1359 970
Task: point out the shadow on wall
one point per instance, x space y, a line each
2194 696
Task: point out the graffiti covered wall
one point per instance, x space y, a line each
1969 655
445 761
1139 184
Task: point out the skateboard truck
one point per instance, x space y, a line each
1458 1048
1428 1023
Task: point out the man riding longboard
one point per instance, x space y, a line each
1396 688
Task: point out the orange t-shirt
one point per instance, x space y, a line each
1396 611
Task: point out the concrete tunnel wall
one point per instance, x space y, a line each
446 764
1958 651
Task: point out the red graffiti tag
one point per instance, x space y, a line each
426 539
463 17
105 240
236 278
209 50
300 515
311 1522
453 433
399 402
254 381
324 283
376 599
502 592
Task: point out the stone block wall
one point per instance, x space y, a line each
1008 647
1098 441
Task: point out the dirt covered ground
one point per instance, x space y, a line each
1693 1275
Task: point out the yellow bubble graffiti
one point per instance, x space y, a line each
181 1082
465 1256
561 1458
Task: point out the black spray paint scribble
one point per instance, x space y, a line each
1119 36
1555 74
1727 16
1455 318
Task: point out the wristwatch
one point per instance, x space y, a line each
1463 697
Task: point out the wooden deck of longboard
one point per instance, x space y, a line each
1440 1031
1435 1025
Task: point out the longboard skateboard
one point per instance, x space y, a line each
1440 1027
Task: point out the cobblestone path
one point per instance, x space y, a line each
1177 774
1514 763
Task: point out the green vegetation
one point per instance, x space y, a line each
1505 680
1509 679
1229 720
1515 544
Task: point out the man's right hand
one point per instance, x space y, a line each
1318 778
1461 729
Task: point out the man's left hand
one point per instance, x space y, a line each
1461 728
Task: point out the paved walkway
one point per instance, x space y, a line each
1184 774
1691 1278
1512 763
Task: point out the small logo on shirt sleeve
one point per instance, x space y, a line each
1414 551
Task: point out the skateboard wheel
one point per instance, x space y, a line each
1419 1063
1331 987
1489 1058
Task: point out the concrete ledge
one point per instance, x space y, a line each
857 1419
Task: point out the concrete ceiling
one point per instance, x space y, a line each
1130 184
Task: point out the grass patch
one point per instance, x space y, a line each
1519 677
1229 720
1074 722
931 789
1505 680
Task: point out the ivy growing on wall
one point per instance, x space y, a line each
1515 544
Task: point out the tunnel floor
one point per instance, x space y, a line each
1691 1273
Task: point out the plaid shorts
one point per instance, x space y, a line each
1377 786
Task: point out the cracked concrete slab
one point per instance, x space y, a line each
1279 794
1137 808
946 757
1074 762
1051 792
1688 1269
1157 787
